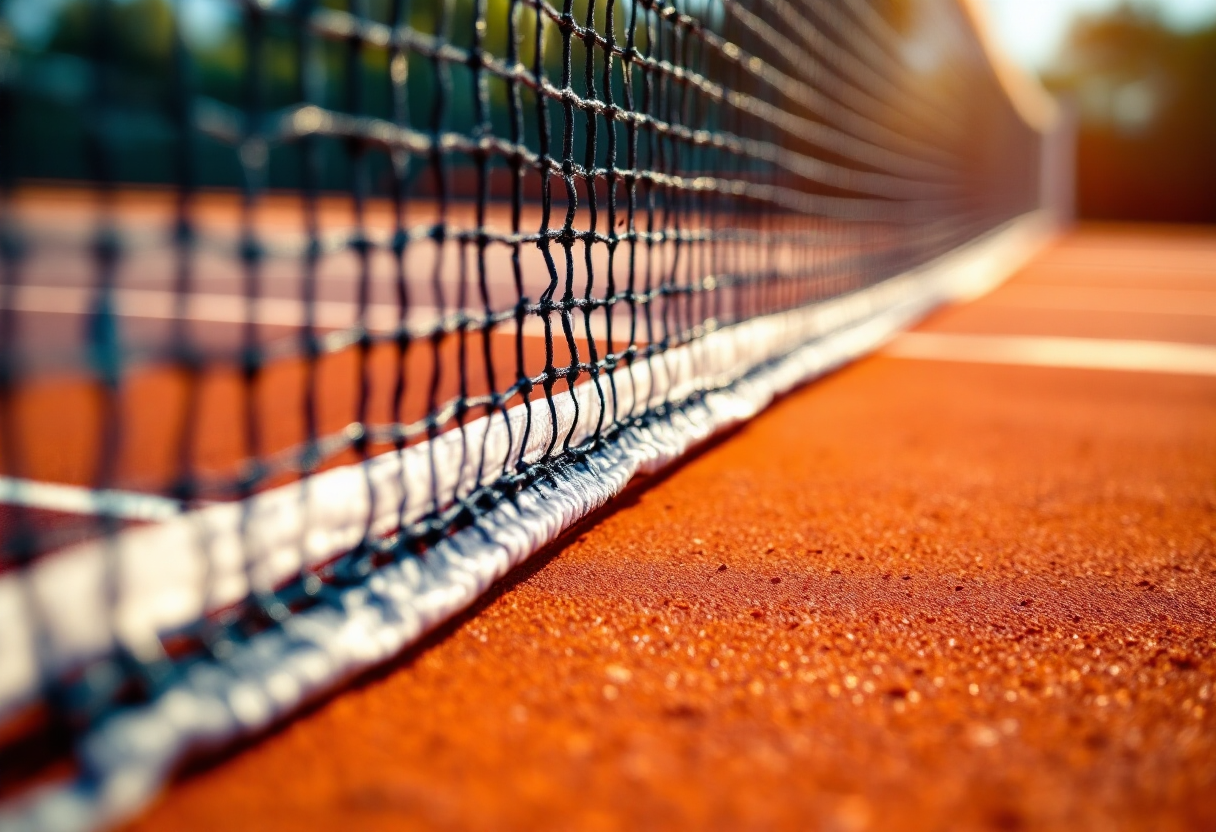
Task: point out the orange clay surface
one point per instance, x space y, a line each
913 595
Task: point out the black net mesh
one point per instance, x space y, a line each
245 242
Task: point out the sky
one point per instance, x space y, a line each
1032 30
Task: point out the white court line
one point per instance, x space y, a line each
1144 260
211 308
74 499
1196 303
1078 353
1154 271
268 311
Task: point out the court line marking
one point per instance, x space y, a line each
75 499
1200 263
1201 271
271 311
212 308
1075 353
1197 303
1121 282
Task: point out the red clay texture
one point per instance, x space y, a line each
912 596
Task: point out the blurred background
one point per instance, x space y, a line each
1139 74
1141 77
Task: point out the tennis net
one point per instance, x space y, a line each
317 317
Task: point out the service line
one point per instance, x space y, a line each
1078 353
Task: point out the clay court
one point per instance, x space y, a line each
962 595
661 415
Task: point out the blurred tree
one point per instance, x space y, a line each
1146 98
138 33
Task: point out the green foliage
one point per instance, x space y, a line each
1146 98
130 46
138 33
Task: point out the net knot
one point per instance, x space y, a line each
252 361
183 232
312 345
313 250
253 474
401 239
360 244
105 345
250 250
107 247
11 246
357 435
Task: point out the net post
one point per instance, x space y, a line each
1058 166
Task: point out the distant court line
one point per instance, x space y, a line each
1196 303
208 308
268 311
1204 270
1077 353
74 499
